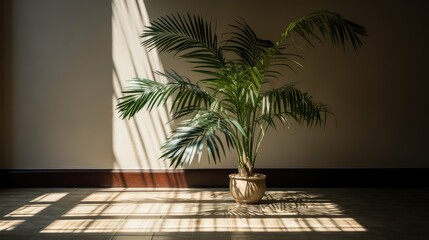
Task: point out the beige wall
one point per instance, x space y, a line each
62 84
71 58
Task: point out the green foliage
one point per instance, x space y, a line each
231 102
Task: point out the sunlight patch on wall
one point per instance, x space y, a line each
136 142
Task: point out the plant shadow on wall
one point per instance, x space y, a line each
236 99
136 142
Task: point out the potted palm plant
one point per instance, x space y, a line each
232 106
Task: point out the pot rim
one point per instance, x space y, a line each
255 176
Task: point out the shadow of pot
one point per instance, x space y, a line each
247 190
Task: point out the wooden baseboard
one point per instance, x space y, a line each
215 178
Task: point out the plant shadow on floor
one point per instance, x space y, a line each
209 214
280 203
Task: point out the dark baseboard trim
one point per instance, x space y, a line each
216 178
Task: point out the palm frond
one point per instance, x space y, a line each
288 101
199 133
278 60
189 35
319 25
246 44
149 93
325 24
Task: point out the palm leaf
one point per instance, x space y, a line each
287 101
199 133
246 44
325 24
319 25
189 35
148 93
